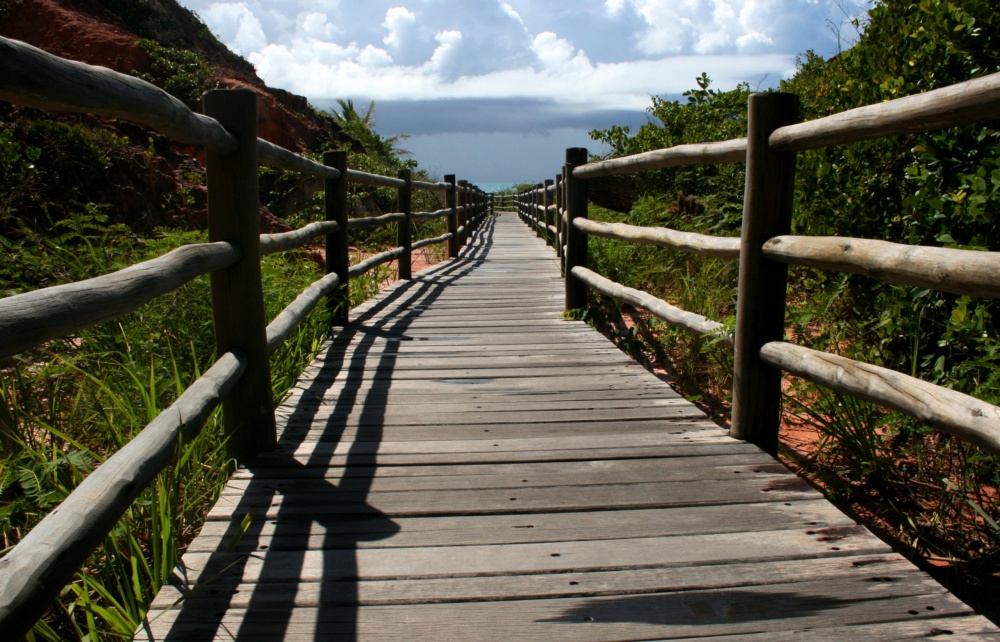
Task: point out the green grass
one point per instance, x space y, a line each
70 404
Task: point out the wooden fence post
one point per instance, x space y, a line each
463 216
576 241
536 209
560 231
451 202
760 305
548 218
403 237
237 298
337 259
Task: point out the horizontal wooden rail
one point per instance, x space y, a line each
947 410
275 156
374 261
287 320
272 243
728 151
703 244
34 572
433 187
364 178
431 241
426 216
693 323
34 78
32 318
970 272
964 103
375 221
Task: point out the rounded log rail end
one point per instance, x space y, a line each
969 272
949 411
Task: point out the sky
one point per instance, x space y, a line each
495 90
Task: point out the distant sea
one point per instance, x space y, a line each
491 188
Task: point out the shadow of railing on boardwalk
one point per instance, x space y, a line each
353 520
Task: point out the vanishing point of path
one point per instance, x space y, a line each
462 463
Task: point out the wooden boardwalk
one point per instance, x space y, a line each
463 464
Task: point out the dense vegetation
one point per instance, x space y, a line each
80 197
933 494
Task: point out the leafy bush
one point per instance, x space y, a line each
941 188
182 73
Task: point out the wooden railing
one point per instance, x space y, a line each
557 209
36 570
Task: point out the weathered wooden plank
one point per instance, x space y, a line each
319 454
487 475
685 615
750 458
542 557
326 501
351 531
880 574
367 416
618 475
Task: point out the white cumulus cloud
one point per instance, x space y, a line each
236 25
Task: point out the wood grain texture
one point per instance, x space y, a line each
760 312
963 103
272 243
969 272
703 244
947 410
285 323
34 78
237 292
431 241
32 318
729 151
270 154
374 261
364 178
375 221
461 463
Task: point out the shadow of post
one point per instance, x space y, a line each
274 561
